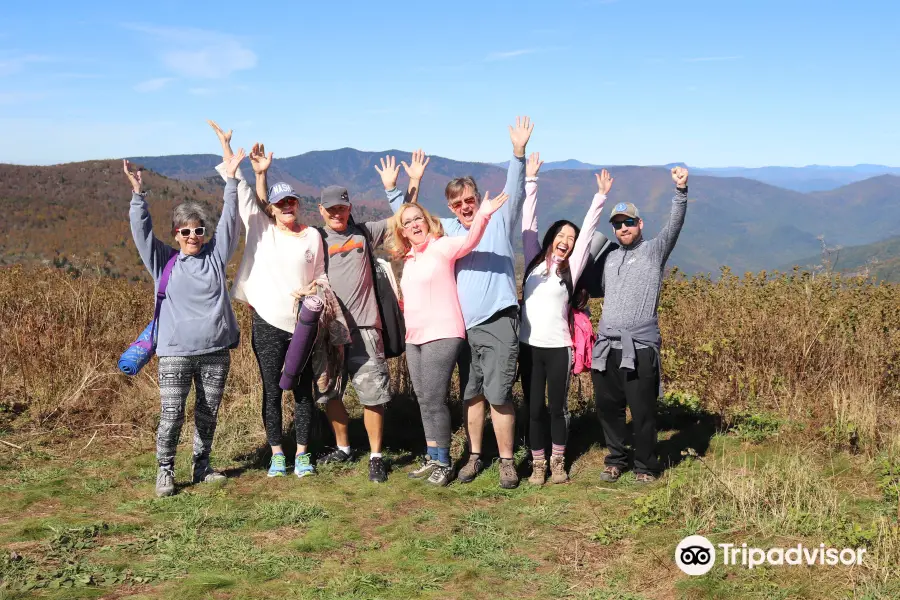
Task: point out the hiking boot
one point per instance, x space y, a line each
336 456
377 472
165 482
611 474
558 469
424 469
440 475
645 478
203 473
303 465
538 472
471 469
509 479
277 466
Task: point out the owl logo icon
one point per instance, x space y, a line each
308 256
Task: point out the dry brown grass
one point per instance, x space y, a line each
822 353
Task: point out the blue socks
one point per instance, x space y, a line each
432 452
443 455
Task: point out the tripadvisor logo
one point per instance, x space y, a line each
696 555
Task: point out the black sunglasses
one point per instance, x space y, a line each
186 231
629 222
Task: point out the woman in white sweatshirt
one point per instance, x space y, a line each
282 261
545 351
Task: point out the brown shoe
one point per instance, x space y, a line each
558 469
538 472
611 474
644 478
471 469
508 476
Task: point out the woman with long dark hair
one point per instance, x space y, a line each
545 351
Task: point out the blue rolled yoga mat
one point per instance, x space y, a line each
301 345
138 353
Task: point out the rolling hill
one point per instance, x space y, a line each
880 260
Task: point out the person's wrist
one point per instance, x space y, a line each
519 151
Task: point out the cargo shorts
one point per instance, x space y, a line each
366 367
487 363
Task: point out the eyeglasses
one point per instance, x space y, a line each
186 231
469 201
415 220
629 222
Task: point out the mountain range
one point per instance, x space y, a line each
80 209
812 178
735 221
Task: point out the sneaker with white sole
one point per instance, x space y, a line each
277 467
303 465
440 475
165 481
424 469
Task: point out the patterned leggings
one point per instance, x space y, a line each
208 373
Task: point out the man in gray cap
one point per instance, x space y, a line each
350 273
625 365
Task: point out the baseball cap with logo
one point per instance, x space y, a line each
280 191
335 195
625 208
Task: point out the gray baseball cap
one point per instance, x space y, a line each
335 195
625 208
280 191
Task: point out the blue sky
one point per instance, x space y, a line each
709 83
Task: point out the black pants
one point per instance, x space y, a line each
546 371
270 345
613 388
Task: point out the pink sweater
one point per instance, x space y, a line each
430 302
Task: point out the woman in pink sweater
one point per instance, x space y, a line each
435 329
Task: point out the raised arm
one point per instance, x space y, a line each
154 253
530 243
664 243
246 202
515 173
459 246
261 163
226 238
415 171
581 252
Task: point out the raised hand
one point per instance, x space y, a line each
389 172
232 164
134 178
604 182
680 176
224 137
492 206
533 164
416 169
520 134
258 159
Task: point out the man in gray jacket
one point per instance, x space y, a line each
625 365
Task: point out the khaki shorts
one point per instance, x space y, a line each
366 368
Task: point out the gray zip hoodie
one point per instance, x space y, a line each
196 317
632 276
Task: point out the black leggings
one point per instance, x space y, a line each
546 370
270 344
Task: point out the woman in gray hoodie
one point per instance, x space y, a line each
197 327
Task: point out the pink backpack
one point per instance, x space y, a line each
583 338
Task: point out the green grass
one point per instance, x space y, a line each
83 531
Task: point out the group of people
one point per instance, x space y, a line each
460 307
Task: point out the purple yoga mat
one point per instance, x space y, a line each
301 345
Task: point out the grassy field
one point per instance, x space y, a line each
779 426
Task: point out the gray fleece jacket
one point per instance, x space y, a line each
632 276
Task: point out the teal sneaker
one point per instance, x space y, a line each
276 467
303 466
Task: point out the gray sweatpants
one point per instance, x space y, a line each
430 367
208 373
